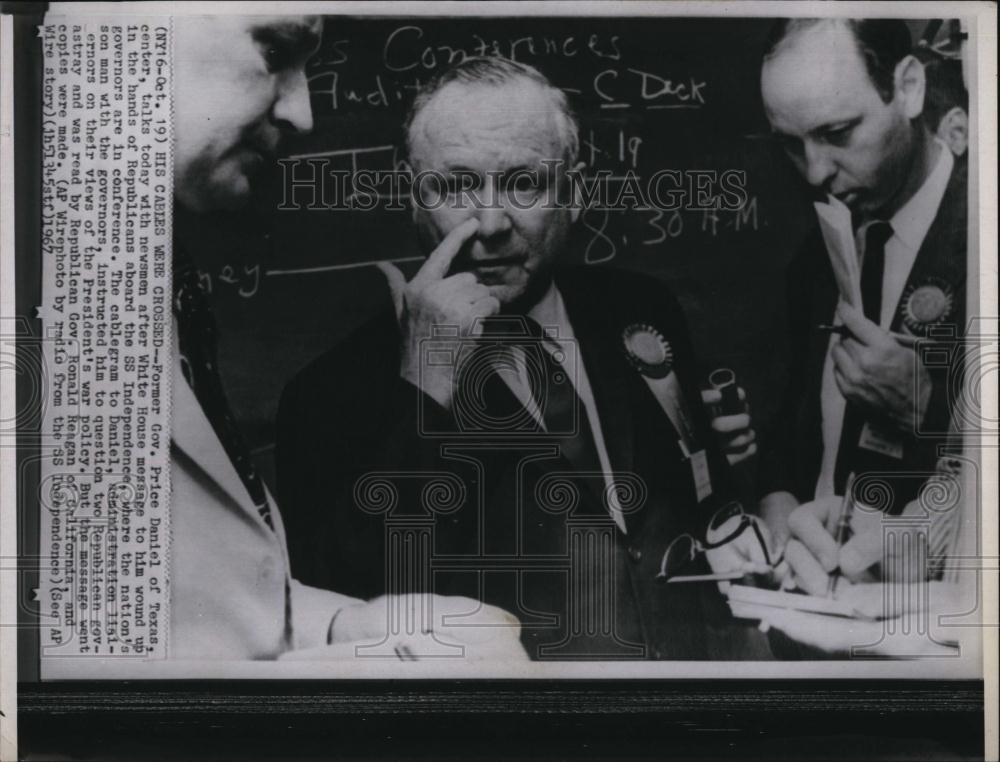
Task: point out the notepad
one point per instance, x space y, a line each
747 601
835 224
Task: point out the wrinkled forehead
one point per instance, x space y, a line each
814 77
485 126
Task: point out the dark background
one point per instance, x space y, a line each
729 286
726 271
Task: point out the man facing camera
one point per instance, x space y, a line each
558 403
241 87
846 99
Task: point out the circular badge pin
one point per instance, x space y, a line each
648 350
926 305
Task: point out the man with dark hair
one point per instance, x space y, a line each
558 403
847 99
946 104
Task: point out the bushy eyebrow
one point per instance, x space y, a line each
296 35
821 129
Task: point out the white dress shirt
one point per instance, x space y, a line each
560 341
909 228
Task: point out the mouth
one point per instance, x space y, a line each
493 263
513 259
255 156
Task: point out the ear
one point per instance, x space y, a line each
910 83
576 208
953 129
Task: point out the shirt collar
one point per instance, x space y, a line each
911 222
550 312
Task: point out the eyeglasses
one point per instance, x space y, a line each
684 549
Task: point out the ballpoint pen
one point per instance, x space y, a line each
843 531
844 332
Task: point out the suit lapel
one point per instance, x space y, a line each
606 369
824 307
936 260
192 433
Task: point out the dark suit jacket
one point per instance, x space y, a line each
510 521
792 456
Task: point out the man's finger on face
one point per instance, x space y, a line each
438 263
459 289
808 573
808 524
460 284
459 302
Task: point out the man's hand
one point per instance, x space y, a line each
775 508
738 438
418 625
744 553
875 371
915 627
813 554
433 298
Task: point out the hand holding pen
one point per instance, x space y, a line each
842 533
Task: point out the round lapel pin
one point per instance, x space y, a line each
926 305
648 350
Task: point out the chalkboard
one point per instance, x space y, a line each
651 93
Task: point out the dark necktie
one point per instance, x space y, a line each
196 335
851 457
563 411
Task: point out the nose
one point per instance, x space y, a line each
820 168
492 213
292 109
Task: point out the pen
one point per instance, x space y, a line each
842 330
843 531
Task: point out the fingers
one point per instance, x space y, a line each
397 283
809 524
744 553
725 424
714 396
471 621
487 306
845 366
832 634
738 457
807 572
871 602
861 552
863 329
439 261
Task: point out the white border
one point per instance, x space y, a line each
983 22
8 410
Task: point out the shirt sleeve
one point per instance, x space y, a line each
312 611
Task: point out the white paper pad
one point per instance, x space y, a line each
835 224
745 601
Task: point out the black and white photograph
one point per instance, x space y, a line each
521 342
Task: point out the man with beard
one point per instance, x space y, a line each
241 86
